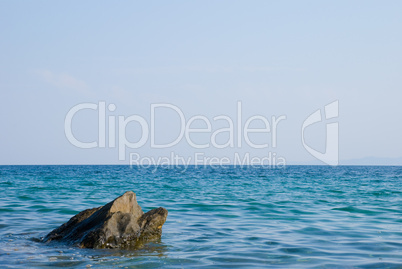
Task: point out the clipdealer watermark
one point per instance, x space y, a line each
112 133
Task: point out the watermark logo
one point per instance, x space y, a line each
331 154
114 127
240 132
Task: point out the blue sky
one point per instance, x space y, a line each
278 58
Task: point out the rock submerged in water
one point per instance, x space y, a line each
118 224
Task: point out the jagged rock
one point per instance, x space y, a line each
118 224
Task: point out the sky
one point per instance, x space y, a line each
275 58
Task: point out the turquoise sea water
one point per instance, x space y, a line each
293 217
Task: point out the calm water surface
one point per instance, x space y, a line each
293 217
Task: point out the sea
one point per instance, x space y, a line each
227 217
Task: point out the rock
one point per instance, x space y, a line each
118 224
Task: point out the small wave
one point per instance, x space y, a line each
352 209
